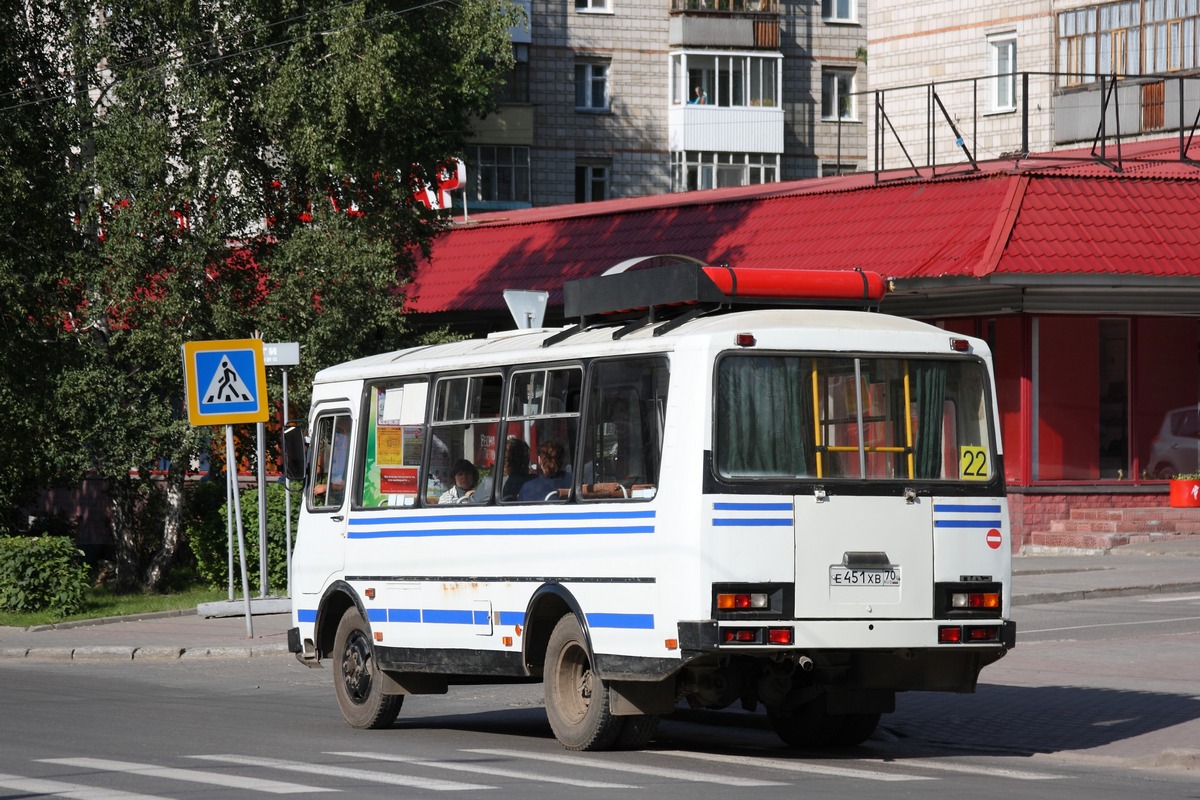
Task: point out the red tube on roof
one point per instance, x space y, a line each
812 284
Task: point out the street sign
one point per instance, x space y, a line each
226 382
281 354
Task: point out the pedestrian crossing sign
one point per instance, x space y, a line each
226 381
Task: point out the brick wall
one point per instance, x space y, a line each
1035 512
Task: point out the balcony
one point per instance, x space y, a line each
725 129
742 24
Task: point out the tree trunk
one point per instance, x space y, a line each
160 566
123 498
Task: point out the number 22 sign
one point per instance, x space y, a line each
973 463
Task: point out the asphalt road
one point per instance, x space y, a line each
1101 699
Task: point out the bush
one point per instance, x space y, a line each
209 538
46 573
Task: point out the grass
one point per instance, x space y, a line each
102 602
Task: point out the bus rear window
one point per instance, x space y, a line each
875 418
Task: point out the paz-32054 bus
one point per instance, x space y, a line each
699 493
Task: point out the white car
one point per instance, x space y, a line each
1176 448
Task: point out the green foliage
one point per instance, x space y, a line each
41 574
209 541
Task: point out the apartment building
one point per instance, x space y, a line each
617 98
984 80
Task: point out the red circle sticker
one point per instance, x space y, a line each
994 539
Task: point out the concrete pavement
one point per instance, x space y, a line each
1172 566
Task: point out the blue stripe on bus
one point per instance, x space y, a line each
306 615
448 616
512 618
427 519
404 615
377 615
395 534
966 523
752 506
750 522
641 621
950 508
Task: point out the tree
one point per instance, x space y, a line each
249 166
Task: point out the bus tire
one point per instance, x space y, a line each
811 725
577 703
357 682
637 731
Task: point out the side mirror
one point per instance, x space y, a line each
294 457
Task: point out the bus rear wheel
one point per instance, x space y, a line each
811 725
357 682
576 698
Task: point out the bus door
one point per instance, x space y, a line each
864 540
326 499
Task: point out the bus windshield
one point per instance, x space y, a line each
845 417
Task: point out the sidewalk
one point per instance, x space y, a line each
1132 569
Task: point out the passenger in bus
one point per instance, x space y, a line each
466 477
554 477
516 468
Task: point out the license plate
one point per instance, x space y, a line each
844 576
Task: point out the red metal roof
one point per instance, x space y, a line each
1048 215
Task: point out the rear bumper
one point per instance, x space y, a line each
703 636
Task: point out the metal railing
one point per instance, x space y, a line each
923 128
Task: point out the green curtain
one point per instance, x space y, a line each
928 381
764 416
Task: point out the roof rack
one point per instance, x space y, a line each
679 292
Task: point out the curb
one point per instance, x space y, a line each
1038 598
150 653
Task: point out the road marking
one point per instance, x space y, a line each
1112 625
433 784
796 766
637 769
483 769
1172 599
998 772
42 787
190 775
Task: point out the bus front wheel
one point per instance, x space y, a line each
357 681
576 698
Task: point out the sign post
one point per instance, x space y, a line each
226 384
284 354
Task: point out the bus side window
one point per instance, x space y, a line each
464 431
543 420
331 450
623 441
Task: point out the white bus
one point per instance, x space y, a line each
700 493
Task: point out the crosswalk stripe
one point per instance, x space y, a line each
795 766
433 784
480 768
43 787
637 769
192 775
997 772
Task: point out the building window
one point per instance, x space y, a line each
591 182
731 80
838 10
591 5
837 94
591 86
515 88
1002 64
1107 39
499 174
832 169
694 170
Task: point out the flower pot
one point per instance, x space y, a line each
1185 493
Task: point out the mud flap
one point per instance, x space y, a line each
628 698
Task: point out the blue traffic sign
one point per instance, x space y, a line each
226 381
